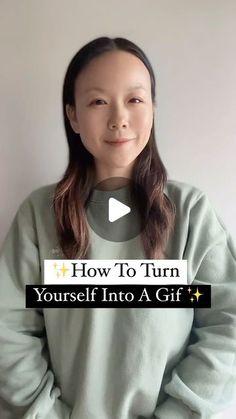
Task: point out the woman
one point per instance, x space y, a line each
116 363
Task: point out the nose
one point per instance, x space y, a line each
117 126
118 120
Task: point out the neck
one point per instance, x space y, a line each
112 178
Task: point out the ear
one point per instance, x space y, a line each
71 115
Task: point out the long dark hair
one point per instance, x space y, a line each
73 190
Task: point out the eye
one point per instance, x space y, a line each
136 98
95 102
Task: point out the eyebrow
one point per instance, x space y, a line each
99 89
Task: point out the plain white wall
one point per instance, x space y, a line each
191 45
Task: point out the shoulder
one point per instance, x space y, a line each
194 208
188 199
192 205
44 192
38 201
181 193
35 211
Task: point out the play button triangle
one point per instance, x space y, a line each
116 209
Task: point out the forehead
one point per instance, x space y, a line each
111 69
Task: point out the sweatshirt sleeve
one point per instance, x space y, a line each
27 387
204 382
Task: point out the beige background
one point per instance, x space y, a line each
191 45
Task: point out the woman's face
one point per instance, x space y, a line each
113 101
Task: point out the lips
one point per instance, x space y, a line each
118 140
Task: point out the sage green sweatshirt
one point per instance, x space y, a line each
123 363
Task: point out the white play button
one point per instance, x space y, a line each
113 213
116 209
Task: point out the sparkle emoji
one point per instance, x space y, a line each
197 295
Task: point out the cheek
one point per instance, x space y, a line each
89 143
88 135
88 130
92 125
143 120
